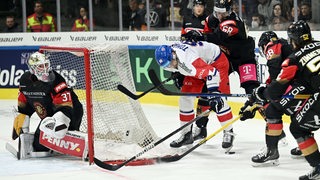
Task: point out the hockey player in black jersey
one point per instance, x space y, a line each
224 28
46 93
194 21
300 70
275 50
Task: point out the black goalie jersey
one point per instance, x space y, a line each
46 98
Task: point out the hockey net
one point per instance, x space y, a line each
116 125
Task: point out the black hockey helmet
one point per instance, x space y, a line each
200 2
265 38
299 32
222 5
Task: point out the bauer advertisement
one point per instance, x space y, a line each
13 65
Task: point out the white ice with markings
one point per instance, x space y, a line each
206 162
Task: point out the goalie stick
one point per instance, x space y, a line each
114 167
155 80
127 92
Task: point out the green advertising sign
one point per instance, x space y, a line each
142 59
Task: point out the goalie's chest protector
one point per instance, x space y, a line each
38 94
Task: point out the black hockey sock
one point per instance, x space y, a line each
202 122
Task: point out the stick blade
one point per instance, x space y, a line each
106 166
173 158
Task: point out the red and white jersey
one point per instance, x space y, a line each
196 59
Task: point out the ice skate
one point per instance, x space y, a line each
312 175
228 137
296 153
269 157
199 133
184 139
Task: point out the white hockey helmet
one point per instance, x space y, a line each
39 65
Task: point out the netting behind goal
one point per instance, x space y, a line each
116 125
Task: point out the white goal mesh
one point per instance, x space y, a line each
120 128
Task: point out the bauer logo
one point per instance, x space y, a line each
12 39
147 38
116 38
83 38
46 39
172 38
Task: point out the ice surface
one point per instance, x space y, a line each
206 162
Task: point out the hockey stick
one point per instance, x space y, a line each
149 147
178 157
127 92
155 80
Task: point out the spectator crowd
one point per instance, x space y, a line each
41 16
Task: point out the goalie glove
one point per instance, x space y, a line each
55 126
20 125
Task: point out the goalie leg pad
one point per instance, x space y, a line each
25 145
20 125
74 143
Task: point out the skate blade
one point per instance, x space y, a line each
227 150
297 156
266 164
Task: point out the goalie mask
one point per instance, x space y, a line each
39 65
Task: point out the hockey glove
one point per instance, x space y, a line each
257 95
178 79
20 125
192 36
248 111
216 104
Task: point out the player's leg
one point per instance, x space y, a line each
309 148
303 123
274 128
224 116
186 108
282 138
200 128
186 114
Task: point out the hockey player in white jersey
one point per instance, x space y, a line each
203 65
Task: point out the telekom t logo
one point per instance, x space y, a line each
247 69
